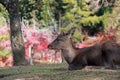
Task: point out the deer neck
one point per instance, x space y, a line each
69 53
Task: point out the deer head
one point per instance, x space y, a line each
62 40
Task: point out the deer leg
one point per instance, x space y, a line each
111 62
79 65
75 67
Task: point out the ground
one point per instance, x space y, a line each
56 72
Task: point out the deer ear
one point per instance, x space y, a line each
71 31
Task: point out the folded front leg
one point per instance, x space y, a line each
75 67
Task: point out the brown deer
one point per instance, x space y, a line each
111 53
77 58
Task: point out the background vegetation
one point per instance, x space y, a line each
68 13
64 14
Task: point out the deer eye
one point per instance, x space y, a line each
59 39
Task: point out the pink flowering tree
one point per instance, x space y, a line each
36 42
6 58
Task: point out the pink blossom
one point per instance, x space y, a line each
39 39
83 45
9 61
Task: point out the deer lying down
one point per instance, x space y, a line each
77 58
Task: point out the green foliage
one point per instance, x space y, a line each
26 7
3 15
112 19
46 11
78 15
38 10
72 13
91 21
77 36
4 37
5 53
104 10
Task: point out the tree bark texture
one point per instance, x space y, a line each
17 42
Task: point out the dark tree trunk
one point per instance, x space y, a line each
17 42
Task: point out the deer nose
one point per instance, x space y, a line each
49 46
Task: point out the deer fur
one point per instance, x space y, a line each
111 54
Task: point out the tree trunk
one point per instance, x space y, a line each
17 42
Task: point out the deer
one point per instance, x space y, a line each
77 58
111 54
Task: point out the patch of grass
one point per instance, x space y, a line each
56 72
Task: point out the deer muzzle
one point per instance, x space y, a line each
50 47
